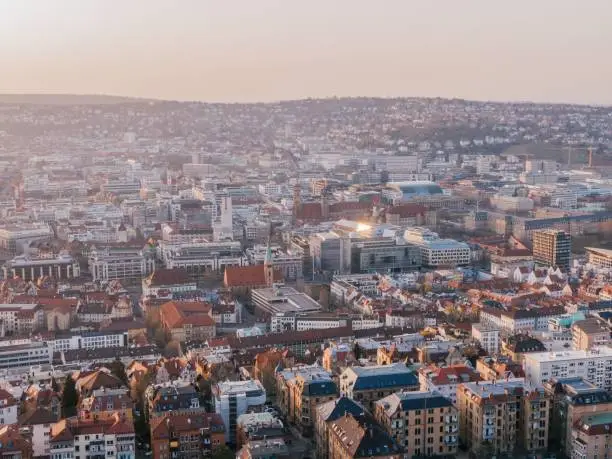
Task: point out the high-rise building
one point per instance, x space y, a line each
552 248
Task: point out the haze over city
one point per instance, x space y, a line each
545 50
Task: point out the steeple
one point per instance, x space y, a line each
268 266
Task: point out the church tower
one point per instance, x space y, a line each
269 267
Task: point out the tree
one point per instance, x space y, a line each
223 452
55 386
117 369
70 397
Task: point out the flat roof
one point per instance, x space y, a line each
285 299
598 351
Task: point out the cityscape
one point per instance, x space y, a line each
326 277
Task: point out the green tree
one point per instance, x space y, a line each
70 397
223 452
117 369
55 386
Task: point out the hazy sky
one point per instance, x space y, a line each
250 50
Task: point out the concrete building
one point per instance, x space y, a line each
437 252
204 257
326 251
283 300
571 399
21 319
591 436
445 380
600 258
368 384
165 283
291 265
25 355
488 337
589 333
509 416
423 423
328 412
282 322
112 439
129 263
29 268
233 398
14 239
594 366
552 248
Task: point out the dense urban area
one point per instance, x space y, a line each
337 278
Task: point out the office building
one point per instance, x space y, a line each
594 366
552 248
437 252
368 384
600 258
204 257
233 398
423 423
25 355
509 416
281 322
283 300
28 268
129 263
16 238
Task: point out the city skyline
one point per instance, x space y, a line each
550 51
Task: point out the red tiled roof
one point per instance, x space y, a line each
310 211
407 210
249 276
178 313
168 277
185 423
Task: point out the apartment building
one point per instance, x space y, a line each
15 445
357 437
368 384
36 425
589 333
520 320
423 423
488 337
572 399
233 398
594 365
445 380
328 412
300 391
111 439
186 435
591 437
552 247
103 404
21 319
508 416
8 408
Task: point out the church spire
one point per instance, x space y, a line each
268 265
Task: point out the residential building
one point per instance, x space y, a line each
600 258
165 283
591 436
488 337
186 435
328 412
259 426
27 267
520 320
509 416
37 424
188 320
111 439
14 444
594 365
360 437
87 383
300 391
368 384
267 365
9 407
571 399
21 319
552 248
437 252
424 423
590 332
104 403
233 398
445 380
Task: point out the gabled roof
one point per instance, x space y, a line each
249 276
161 277
409 401
384 376
362 437
161 425
334 409
97 380
178 313
37 416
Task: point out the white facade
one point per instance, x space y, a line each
108 264
8 409
436 251
94 340
280 323
594 366
487 337
241 394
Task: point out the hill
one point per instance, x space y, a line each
66 99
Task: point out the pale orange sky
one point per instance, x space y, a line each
252 50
